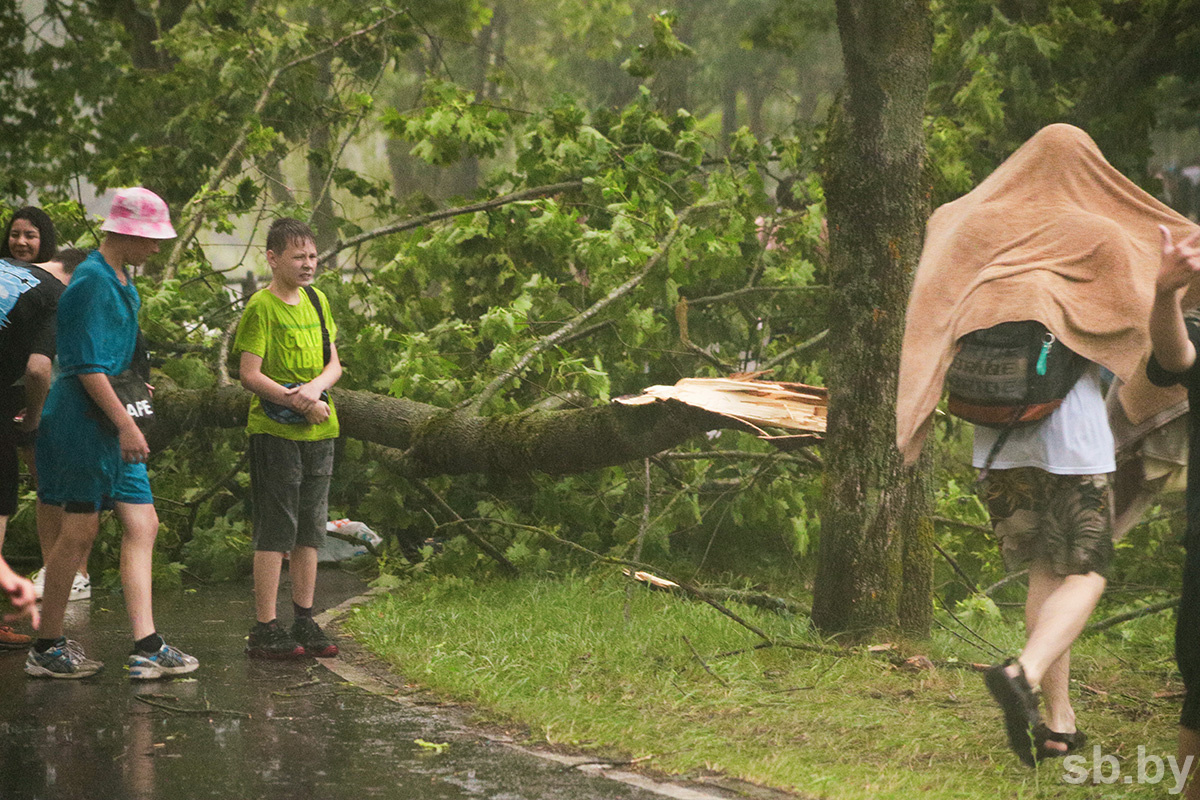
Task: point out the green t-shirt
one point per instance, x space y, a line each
288 338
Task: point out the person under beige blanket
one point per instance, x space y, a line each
1057 235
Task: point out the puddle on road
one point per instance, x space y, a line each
241 729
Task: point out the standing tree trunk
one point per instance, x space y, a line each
875 556
320 164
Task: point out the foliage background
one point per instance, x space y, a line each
692 133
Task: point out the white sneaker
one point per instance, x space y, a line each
81 587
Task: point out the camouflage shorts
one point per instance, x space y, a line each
1062 521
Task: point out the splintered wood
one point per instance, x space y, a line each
756 404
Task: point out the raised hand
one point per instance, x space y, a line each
1180 262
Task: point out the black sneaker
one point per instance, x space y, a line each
271 641
308 633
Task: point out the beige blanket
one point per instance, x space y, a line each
1055 234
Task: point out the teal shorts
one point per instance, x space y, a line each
131 486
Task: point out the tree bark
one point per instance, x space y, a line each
320 162
875 555
434 441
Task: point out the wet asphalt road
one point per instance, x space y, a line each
241 729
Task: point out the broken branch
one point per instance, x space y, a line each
1144 611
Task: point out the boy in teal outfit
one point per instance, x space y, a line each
289 361
85 465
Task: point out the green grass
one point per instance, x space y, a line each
560 658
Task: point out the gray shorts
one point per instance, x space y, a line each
289 487
1063 521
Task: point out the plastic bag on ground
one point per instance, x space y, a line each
334 549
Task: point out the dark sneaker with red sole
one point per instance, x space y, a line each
308 633
272 642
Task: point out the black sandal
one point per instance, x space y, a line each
1042 734
1020 706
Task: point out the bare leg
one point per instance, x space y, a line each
3 529
1056 686
140 524
1055 683
303 571
1059 618
1056 610
49 523
71 549
267 566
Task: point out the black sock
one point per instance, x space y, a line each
150 644
42 645
299 612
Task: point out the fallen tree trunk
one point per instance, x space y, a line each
438 441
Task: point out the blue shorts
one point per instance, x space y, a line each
131 486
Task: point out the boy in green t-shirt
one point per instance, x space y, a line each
289 361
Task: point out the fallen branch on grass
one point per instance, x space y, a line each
507 566
707 668
1144 611
761 600
812 648
996 651
1106 694
621 562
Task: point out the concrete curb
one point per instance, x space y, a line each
363 671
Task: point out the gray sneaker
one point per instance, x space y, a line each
166 662
65 659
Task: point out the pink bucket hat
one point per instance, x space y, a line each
139 212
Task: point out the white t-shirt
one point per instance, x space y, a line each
1074 440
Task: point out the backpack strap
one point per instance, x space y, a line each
1000 440
991 456
326 351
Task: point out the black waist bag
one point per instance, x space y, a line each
130 388
1011 375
